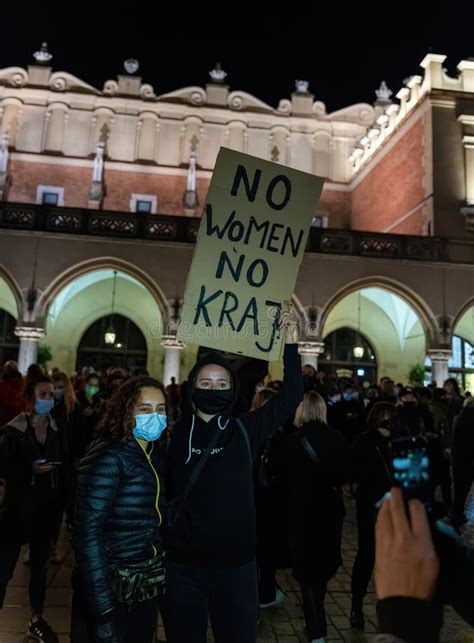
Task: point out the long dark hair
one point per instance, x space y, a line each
118 420
380 412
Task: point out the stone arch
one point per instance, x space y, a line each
425 314
113 263
458 317
14 290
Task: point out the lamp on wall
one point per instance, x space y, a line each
110 335
358 349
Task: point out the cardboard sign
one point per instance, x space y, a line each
249 247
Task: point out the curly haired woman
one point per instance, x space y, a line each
119 576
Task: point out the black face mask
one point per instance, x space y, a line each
409 405
212 401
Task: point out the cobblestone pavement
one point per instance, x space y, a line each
283 624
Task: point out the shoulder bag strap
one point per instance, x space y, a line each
241 426
315 459
195 475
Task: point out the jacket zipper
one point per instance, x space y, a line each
148 457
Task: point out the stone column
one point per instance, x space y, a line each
172 363
439 364
310 352
55 123
28 353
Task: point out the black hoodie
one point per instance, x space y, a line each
217 526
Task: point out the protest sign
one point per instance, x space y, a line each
249 247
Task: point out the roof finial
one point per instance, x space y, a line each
383 93
42 56
301 86
131 65
218 75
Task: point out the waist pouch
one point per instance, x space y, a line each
140 581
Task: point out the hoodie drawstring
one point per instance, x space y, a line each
222 428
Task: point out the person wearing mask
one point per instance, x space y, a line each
119 507
463 461
90 390
211 544
12 388
439 410
454 401
425 398
272 536
346 415
371 472
31 457
371 397
409 417
317 464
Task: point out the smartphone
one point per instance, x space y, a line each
410 468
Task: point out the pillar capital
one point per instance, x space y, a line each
440 354
29 333
310 348
170 341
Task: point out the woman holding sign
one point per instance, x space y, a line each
211 569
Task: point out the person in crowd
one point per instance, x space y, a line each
387 392
410 418
317 466
114 380
70 420
425 398
371 472
439 410
12 388
463 461
119 507
211 545
272 535
92 405
454 402
89 391
347 414
31 464
372 396
173 395
314 380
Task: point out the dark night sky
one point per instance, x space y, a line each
344 53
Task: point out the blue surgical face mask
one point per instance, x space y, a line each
43 407
149 426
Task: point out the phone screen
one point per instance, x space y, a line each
410 468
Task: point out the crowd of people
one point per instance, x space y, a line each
187 500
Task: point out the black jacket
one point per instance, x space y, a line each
463 445
217 525
314 503
371 468
29 498
117 515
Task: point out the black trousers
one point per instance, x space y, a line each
313 608
267 585
226 595
136 624
40 551
365 558
462 486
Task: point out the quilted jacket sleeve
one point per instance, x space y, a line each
98 481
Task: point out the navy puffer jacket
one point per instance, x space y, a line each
118 514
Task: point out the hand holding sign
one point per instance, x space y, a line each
289 325
250 244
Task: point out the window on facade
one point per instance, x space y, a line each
338 357
130 347
145 203
143 206
50 198
50 195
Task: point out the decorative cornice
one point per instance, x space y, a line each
310 348
440 354
170 341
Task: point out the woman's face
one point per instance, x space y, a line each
449 388
59 385
213 377
150 400
44 391
93 381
